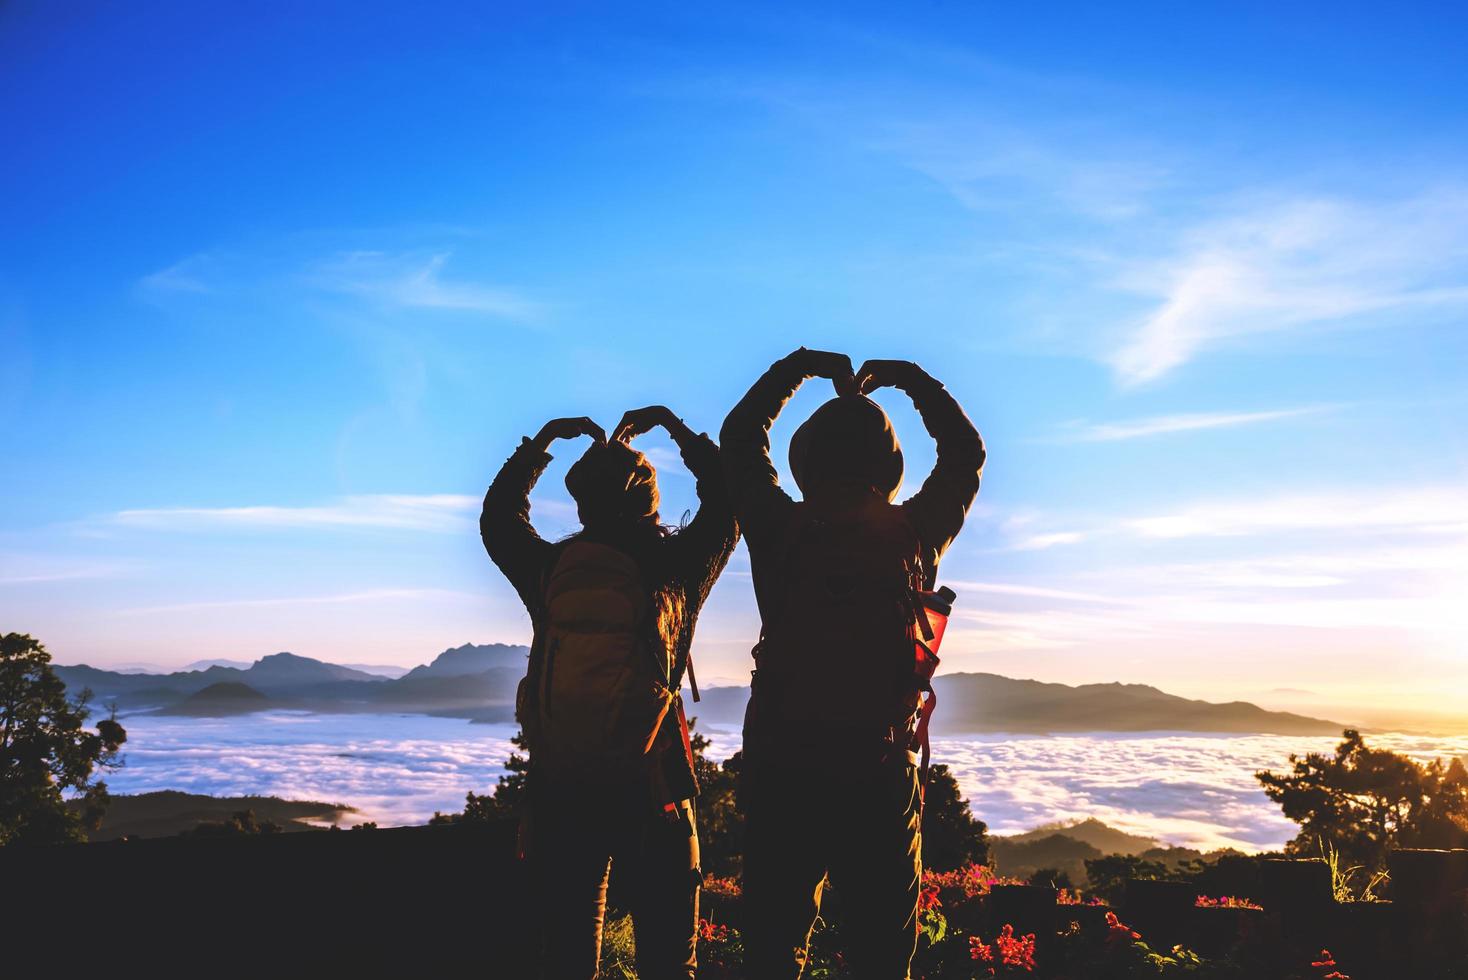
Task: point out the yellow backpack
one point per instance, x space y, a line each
603 687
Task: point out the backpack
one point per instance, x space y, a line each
835 664
602 690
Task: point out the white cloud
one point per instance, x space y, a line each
431 512
668 462
1165 424
415 281
1040 542
399 769
1294 264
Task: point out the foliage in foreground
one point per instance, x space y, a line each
1365 802
45 750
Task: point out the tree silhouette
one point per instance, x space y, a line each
503 805
1364 802
1109 874
44 750
720 824
242 823
952 835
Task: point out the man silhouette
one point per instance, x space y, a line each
830 787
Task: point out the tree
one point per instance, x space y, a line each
242 823
503 805
720 824
1108 875
952 835
1363 802
1052 876
45 751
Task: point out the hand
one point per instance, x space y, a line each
826 364
639 420
568 429
887 374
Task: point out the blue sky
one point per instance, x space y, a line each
279 291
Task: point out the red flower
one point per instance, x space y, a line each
1016 952
928 898
711 932
1118 931
979 950
1226 902
1327 962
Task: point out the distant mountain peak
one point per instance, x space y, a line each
472 658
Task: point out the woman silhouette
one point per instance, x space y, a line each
613 609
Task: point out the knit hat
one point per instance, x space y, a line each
849 438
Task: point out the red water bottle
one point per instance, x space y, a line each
933 610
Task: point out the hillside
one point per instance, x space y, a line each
1067 847
477 682
472 682
168 812
224 698
984 703
1092 832
473 659
991 703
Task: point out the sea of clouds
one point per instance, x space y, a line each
396 769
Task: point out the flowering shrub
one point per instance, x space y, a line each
1327 962
1007 952
1016 952
724 887
1118 931
949 949
1226 902
720 951
1067 896
969 881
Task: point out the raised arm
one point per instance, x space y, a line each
704 545
744 441
939 508
504 523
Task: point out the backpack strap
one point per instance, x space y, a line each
692 684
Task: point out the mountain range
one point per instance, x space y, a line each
478 682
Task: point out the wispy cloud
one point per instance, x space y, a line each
1440 510
416 281
1428 510
667 461
431 512
1039 542
1028 591
1165 424
990 166
395 280
1291 264
30 569
345 598
182 277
